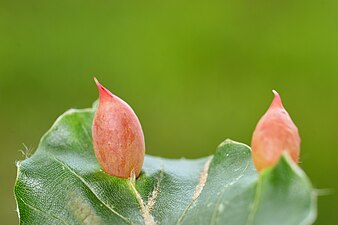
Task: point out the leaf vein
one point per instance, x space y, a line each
255 203
148 218
214 213
89 188
43 212
152 199
198 190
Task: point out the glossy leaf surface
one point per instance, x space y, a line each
62 183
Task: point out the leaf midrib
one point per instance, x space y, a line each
43 212
88 187
214 213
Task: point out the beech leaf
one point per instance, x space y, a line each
62 183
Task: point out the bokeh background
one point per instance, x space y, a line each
196 72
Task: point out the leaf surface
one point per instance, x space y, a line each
62 183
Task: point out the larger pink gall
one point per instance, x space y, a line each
117 136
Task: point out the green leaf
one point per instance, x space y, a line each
62 183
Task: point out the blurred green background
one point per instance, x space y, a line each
195 72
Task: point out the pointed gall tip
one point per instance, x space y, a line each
277 101
102 90
96 82
99 86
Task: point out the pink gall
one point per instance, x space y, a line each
117 134
275 133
